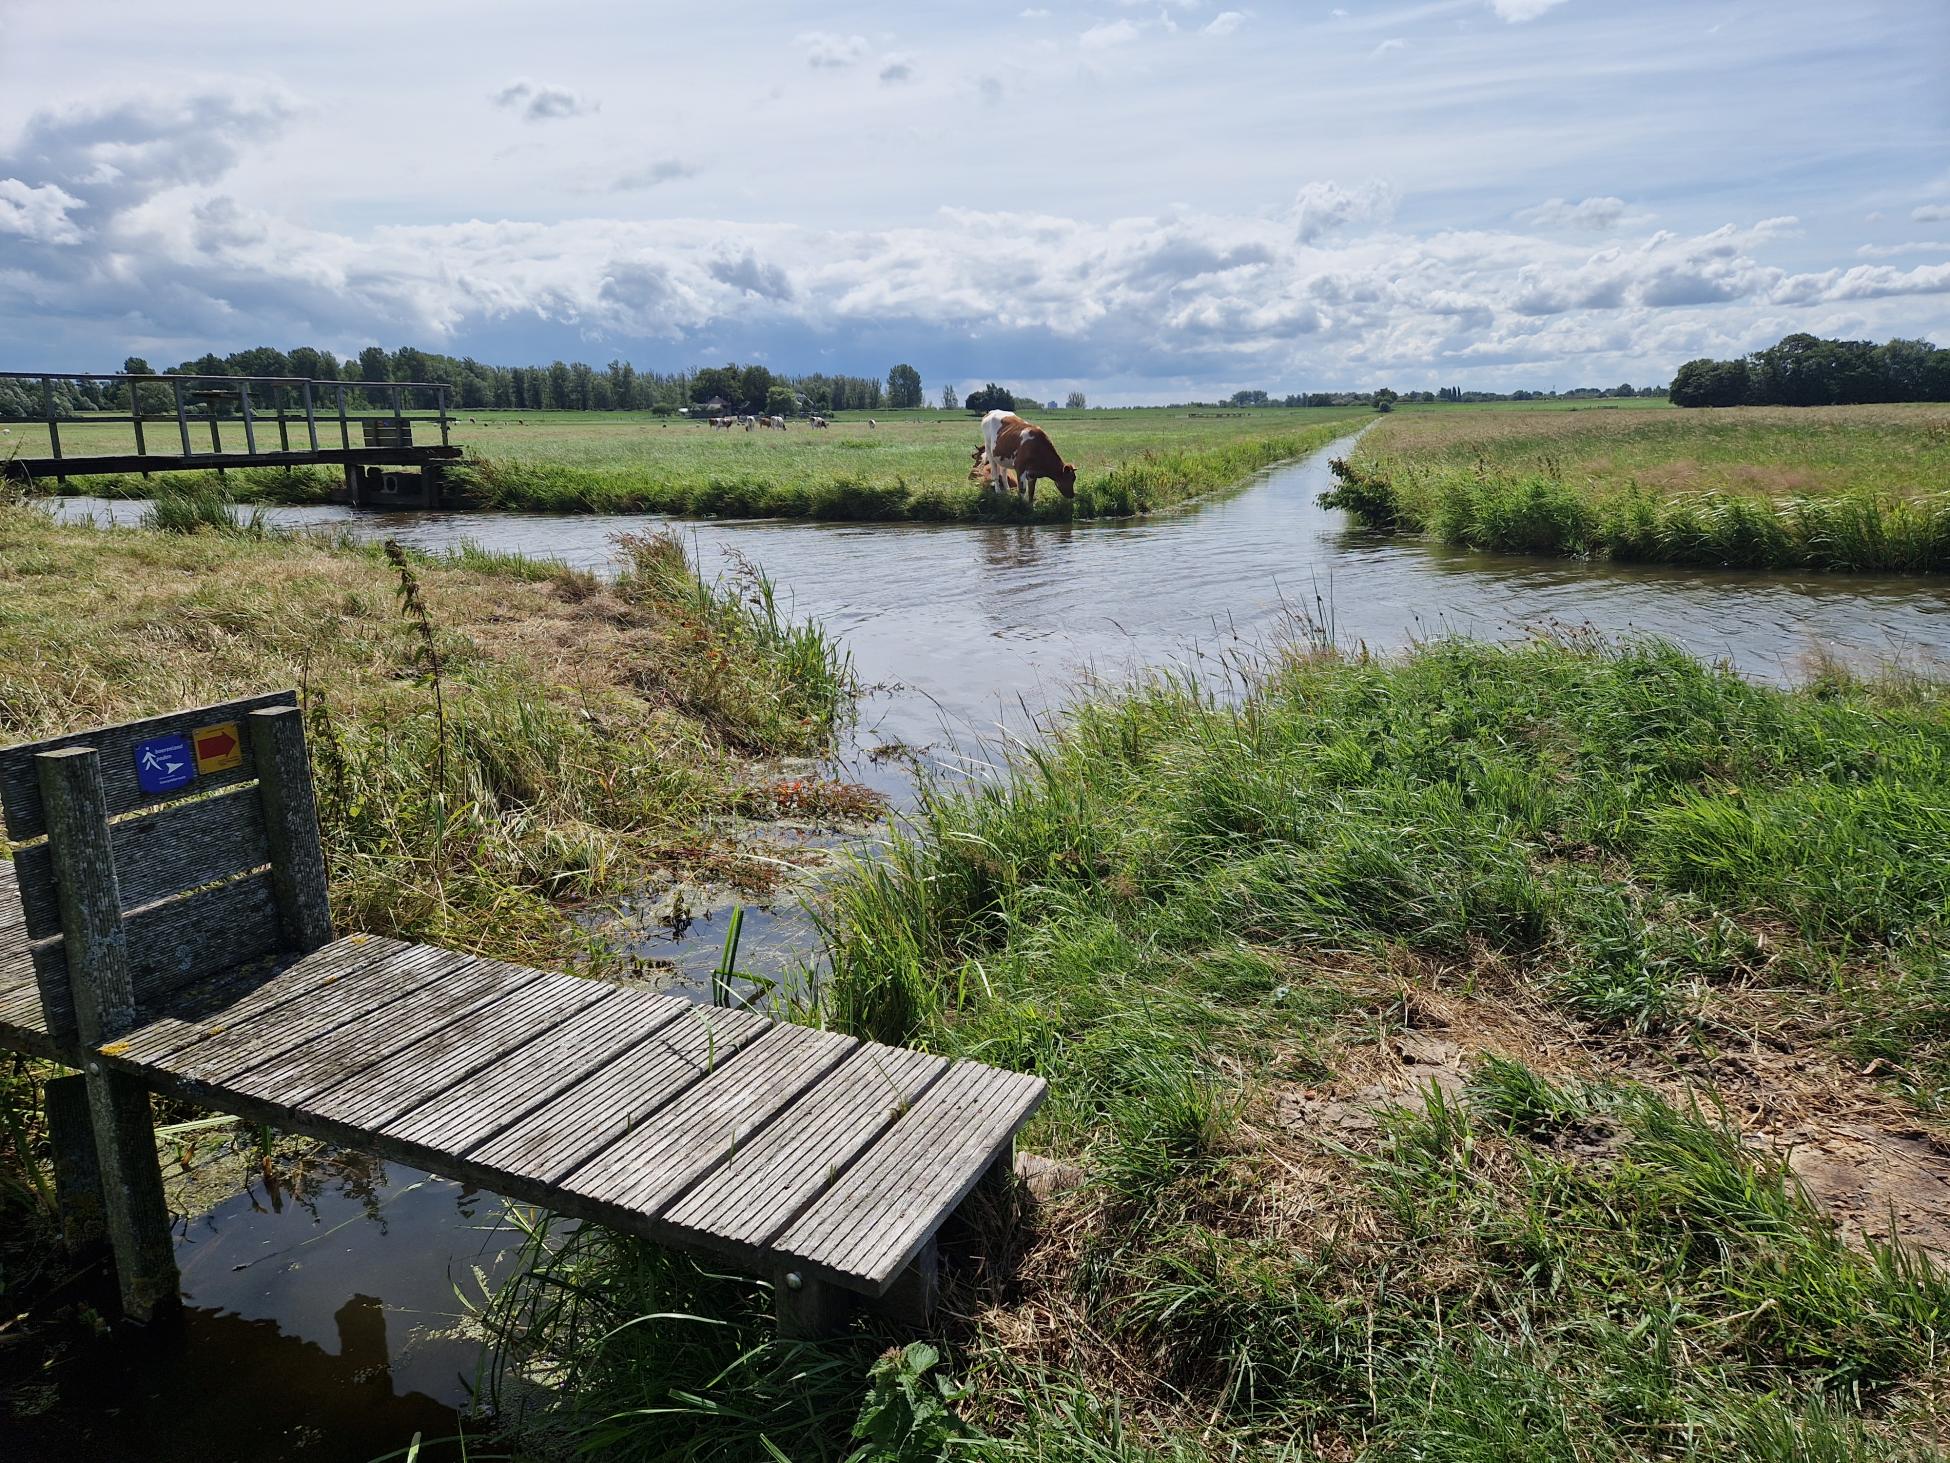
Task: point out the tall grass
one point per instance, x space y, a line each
1186 911
1851 532
200 508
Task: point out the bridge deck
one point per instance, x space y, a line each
717 1130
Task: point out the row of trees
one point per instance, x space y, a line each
1806 370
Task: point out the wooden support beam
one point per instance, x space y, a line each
291 821
77 1171
809 1309
911 1299
104 1000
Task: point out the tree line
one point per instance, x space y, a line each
475 385
1806 370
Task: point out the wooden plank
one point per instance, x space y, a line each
620 1094
172 1034
863 1231
277 737
156 855
499 1096
28 469
770 1180
351 1045
655 1162
408 1079
424 1036
20 794
269 1038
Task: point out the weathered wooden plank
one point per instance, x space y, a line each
20 796
170 1035
172 944
269 1038
865 1229
486 985
475 1110
652 1164
157 855
348 1046
624 1092
277 738
409 1079
770 1180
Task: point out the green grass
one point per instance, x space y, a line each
1864 489
913 465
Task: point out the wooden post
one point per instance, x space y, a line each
911 1299
77 1171
291 821
808 1309
104 1004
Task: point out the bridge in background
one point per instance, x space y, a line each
165 418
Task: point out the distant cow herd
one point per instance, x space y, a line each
1009 444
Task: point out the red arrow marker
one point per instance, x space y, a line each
220 745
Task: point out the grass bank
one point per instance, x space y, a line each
907 466
498 744
1863 489
1493 1054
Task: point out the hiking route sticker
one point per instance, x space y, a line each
163 764
218 748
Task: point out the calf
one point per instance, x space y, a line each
1008 441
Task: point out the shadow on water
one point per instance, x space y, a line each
963 633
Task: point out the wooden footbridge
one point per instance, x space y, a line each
169 416
171 934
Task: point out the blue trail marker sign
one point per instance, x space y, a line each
163 764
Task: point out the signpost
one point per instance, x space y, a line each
218 748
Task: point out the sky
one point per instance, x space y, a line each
1144 201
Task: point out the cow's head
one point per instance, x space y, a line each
1066 480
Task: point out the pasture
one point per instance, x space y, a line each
1831 488
911 465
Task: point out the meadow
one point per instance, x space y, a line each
1858 488
911 465
1488 1054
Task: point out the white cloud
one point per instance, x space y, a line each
1515 11
1323 208
1225 23
663 170
826 51
1593 214
1915 246
1109 33
1035 14
39 214
538 103
1393 43
1931 213
895 68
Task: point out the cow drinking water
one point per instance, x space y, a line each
1008 441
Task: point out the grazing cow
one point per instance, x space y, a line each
748 422
1009 441
778 422
819 421
872 425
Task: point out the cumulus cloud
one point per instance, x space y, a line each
1225 23
895 69
1515 11
538 103
1594 214
663 170
826 51
1109 33
1931 213
1324 208
39 214
1329 281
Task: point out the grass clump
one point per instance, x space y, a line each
1843 489
1221 928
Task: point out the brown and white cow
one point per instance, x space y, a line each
1008 441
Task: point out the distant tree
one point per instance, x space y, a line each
1624 391
754 385
560 386
1247 398
720 382
1074 401
781 400
1707 382
1905 366
949 401
990 398
903 387
374 364
1384 399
